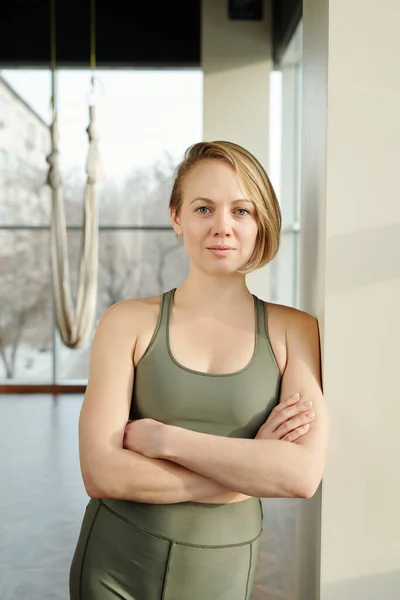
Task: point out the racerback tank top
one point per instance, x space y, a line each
233 405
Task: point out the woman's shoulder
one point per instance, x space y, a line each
288 319
132 314
287 314
283 323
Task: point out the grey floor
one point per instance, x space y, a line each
42 501
42 498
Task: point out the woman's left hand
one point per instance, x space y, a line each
145 436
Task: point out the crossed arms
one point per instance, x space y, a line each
168 464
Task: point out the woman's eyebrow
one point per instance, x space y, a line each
203 199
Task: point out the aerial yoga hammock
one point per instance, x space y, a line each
75 327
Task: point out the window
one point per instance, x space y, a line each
4 111
286 86
25 317
142 137
22 125
30 141
3 162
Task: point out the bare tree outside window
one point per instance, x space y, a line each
133 263
139 254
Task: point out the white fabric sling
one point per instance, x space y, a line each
75 327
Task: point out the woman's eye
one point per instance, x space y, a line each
203 210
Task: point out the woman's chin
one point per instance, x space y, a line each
220 268
218 265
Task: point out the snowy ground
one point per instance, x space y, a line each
34 366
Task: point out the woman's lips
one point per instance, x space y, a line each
220 250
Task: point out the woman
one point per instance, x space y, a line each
198 404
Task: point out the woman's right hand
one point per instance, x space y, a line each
288 421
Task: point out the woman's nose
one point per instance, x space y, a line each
222 224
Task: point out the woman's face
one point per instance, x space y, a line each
217 219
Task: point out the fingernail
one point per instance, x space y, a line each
311 415
308 403
307 426
296 395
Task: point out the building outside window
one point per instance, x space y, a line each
142 138
4 111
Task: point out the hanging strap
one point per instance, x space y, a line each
74 328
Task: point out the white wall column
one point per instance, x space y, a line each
237 61
350 278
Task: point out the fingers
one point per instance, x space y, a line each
292 436
289 401
288 415
292 418
294 423
293 406
289 408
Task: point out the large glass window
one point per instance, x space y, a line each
145 121
4 111
25 306
132 264
285 170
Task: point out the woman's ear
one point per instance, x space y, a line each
176 222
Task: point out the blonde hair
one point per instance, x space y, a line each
256 183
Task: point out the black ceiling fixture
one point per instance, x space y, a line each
245 9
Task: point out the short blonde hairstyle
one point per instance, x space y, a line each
257 185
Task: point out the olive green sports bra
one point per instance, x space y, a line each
234 404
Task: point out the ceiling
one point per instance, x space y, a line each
156 33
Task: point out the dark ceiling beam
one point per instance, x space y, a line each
156 33
286 15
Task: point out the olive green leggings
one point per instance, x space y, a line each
187 551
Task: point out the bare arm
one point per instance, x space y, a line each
156 481
109 470
265 467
